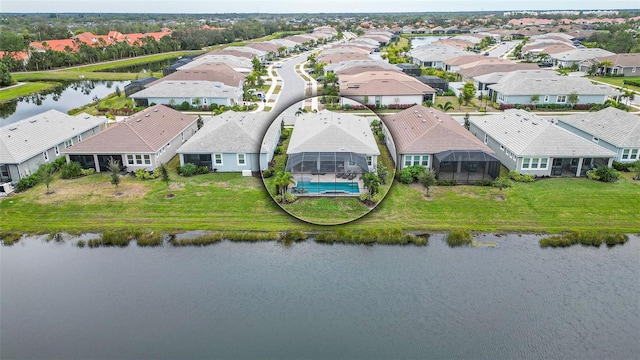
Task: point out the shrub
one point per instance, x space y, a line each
296 235
85 172
410 173
277 151
71 170
516 176
142 174
10 237
150 239
584 238
620 166
188 169
289 198
203 170
459 238
484 183
603 173
267 173
452 182
27 182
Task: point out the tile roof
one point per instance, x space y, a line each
527 134
528 82
144 132
425 130
188 89
382 83
581 54
436 52
625 60
484 69
240 64
26 138
215 72
612 125
327 131
232 132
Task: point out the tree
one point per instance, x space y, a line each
467 123
282 182
534 98
460 101
468 92
382 172
572 99
113 166
372 182
446 106
200 123
427 179
5 76
45 175
603 67
164 172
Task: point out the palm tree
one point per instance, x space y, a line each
446 106
282 182
603 65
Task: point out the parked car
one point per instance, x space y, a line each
486 53
278 65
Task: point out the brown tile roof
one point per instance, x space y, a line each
624 60
464 59
144 132
423 130
382 83
264 46
230 51
211 72
354 70
549 48
487 61
338 57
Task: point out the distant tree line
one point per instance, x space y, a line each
617 38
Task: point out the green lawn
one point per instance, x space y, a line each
25 89
231 202
617 81
76 75
131 61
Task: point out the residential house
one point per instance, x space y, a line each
239 64
434 56
331 148
575 57
143 141
356 66
40 139
232 142
212 72
433 139
620 64
611 128
522 87
384 88
530 144
193 92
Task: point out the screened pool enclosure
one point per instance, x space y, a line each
327 173
466 166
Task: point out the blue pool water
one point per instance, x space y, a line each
320 187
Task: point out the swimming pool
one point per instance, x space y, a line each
327 187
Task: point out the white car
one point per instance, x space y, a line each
278 65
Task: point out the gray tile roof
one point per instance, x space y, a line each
27 138
327 131
144 132
612 125
240 64
527 134
581 54
528 82
232 132
422 130
189 89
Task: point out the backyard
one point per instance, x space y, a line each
228 201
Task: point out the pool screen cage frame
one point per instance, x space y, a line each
339 168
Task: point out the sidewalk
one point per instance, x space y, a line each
275 80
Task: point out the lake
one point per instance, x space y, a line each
424 40
307 300
69 96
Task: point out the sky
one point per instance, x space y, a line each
301 6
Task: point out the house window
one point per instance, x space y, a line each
57 150
68 143
535 163
486 138
410 160
79 138
46 155
138 159
625 154
561 99
241 159
546 98
369 161
634 154
217 159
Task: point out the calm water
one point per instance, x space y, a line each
70 96
266 300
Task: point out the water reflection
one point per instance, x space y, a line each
64 97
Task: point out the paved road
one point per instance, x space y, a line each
293 89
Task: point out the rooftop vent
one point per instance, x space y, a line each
32 121
155 110
147 115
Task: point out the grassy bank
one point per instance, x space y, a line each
25 89
617 81
77 75
231 202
